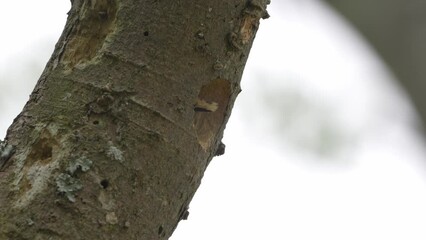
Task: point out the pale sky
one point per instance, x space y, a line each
320 144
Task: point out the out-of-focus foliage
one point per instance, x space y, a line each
397 30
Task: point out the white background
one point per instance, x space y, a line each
321 144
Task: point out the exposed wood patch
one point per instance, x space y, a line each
210 108
96 20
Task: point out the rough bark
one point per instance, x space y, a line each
125 118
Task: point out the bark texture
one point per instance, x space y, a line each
124 120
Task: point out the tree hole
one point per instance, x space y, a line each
42 150
146 33
160 230
104 184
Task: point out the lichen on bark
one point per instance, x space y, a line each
110 146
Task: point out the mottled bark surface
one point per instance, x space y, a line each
125 118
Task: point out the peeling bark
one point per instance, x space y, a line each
111 144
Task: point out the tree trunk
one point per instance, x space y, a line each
125 118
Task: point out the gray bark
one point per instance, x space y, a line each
125 118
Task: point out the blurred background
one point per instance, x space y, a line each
324 142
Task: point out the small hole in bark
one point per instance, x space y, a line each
146 33
96 122
160 230
104 183
103 15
